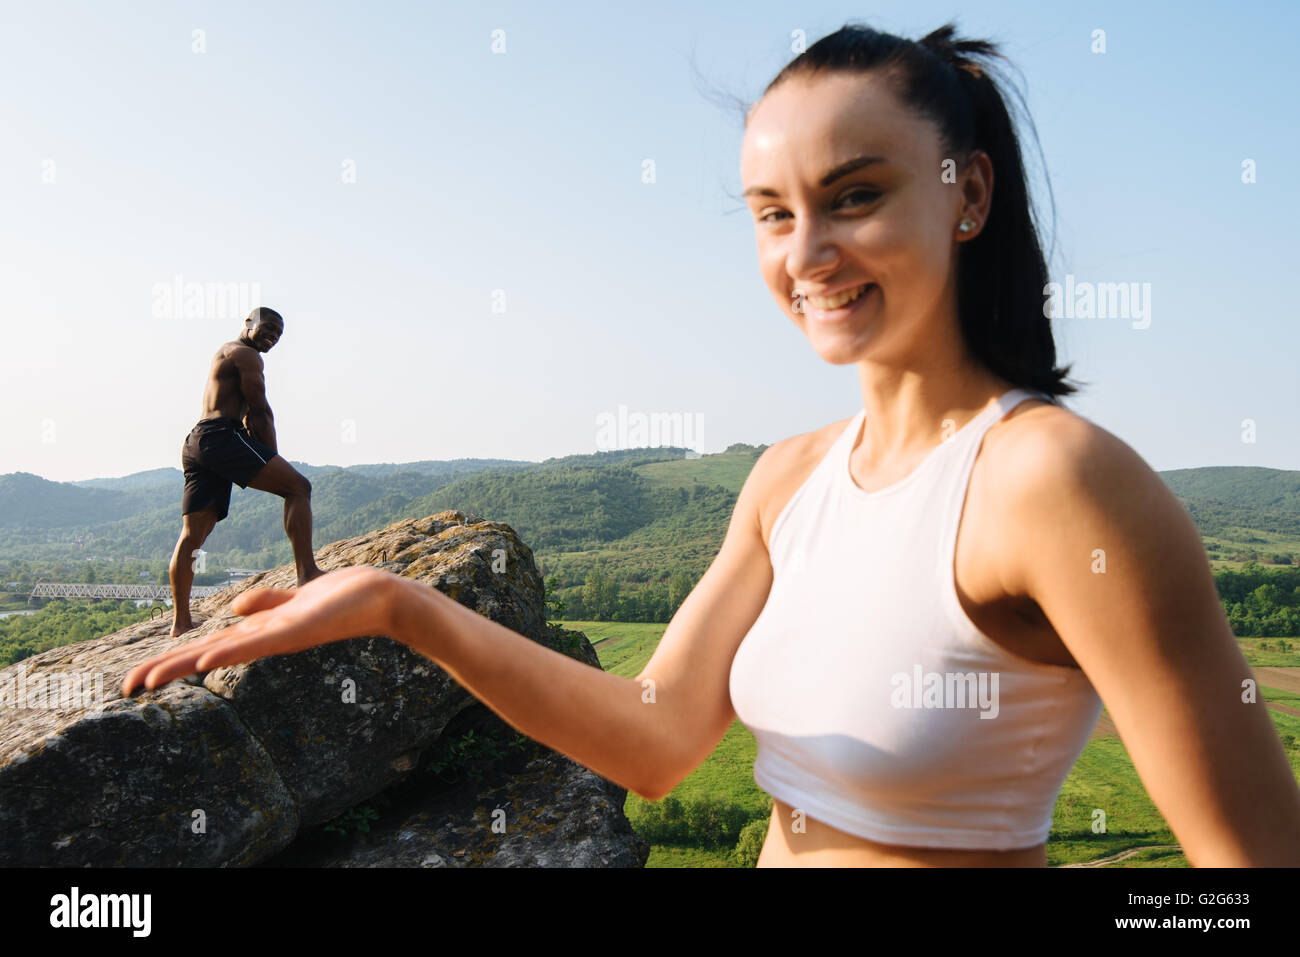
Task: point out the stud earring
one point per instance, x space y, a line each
966 225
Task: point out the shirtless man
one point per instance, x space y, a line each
234 441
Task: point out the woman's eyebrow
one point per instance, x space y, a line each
844 169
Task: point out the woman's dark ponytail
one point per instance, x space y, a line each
1002 273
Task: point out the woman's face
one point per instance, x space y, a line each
826 225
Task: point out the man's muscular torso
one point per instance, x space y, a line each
235 389
222 397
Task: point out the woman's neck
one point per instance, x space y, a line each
909 412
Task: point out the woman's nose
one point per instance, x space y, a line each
810 248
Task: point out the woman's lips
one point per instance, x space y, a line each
837 313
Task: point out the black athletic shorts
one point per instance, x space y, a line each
216 453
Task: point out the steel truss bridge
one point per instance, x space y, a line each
136 592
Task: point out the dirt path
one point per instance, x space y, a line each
1124 855
1285 679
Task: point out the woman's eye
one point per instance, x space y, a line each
864 196
871 193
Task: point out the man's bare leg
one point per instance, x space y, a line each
280 478
195 529
297 525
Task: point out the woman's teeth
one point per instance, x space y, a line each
844 298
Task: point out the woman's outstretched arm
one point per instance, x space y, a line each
643 733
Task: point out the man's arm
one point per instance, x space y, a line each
258 419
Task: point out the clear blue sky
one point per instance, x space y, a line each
521 171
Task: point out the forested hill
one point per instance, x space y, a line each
1248 512
137 517
1244 486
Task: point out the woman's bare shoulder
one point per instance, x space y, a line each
1045 457
1048 471
1038 438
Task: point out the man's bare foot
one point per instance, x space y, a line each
179 627
314 573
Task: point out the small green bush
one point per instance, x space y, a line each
699 822
750 844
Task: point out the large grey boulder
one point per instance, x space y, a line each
232 771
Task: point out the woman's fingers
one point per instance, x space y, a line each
242 647
258 599
341 604
175 663
184 660
164 672
189 649
139 674
151 675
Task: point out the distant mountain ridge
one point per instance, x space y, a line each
164 476
138 515
30 501
135 480
1242 485
633 510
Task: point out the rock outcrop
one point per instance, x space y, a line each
357 753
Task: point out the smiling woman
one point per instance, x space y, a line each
894 229
900 142
918 609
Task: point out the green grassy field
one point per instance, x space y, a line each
728 469
1102 780
1270 656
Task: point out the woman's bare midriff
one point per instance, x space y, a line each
820 845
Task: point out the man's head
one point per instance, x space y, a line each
262 329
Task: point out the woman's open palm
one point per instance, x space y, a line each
344 603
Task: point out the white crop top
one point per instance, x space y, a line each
878 706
